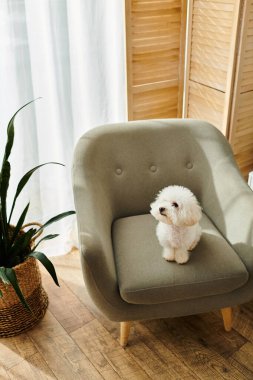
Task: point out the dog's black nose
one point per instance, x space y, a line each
161 209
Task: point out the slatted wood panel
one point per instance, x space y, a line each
155 36
246 83
241 131
212 33
202 99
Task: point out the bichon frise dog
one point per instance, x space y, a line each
178 231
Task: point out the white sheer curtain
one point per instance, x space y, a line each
70 53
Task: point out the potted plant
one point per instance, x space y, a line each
23 301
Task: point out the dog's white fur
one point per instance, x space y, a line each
178 231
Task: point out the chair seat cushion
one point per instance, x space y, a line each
145 277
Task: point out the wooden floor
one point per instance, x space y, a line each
74 342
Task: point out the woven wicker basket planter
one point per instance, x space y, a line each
14 317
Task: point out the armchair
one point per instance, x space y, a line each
117 171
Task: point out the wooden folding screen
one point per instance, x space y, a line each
155 36
241 126
218 80
212 36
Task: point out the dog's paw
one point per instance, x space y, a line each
181 256
169 254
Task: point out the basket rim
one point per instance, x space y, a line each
23 262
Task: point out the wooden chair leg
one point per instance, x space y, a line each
227 318
124 333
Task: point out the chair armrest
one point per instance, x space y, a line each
231 207
94 216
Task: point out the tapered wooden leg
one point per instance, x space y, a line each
227 318
124 333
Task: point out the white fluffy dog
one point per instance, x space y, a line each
178 231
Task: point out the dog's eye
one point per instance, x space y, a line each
174 204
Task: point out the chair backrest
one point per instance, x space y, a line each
129 163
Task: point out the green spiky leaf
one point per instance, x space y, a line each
48 237
47 264
20 247
11 275
4 185
10 132
3 234
19 224
24 181
5 175
56 218
24 240
3 276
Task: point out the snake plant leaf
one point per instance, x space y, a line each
5 170
11 275
56 218
4 184
20 246
24 181
47 264
3 276
3 234
10 138
48 237
25 239
19 224
10 132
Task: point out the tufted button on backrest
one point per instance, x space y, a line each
118 171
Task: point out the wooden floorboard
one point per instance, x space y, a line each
74 341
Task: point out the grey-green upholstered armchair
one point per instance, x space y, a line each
118 169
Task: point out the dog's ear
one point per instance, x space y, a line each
190 222
153 209
194 215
